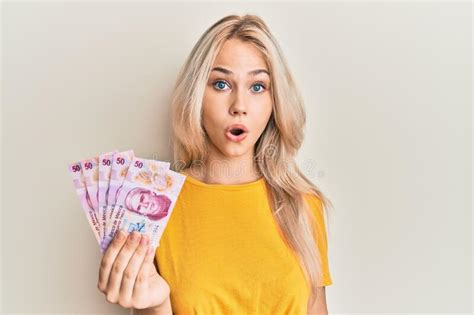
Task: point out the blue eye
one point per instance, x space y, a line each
220 84
258 84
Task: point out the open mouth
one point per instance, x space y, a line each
237 131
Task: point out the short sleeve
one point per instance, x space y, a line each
316 206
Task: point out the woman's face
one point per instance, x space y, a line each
238 92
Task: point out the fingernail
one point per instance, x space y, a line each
134 236
121 235
144 240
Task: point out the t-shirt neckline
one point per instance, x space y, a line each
248 185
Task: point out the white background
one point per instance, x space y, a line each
387 88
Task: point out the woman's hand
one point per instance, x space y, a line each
127 275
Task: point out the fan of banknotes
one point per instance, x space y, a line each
120 191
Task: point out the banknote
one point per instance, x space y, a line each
152 170
75 169
90 168
148 197
105 168
120 164
90 171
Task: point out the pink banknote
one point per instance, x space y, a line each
75 170
105 168
90 171
148 197
157 171
120 164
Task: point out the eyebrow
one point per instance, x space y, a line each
253 72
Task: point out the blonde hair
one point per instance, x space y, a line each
274 151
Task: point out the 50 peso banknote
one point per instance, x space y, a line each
75 169
147 198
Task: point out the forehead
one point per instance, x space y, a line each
240 56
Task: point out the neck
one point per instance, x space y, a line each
220 169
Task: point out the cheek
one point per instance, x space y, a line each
263 113
213 112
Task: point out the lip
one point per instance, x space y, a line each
235 138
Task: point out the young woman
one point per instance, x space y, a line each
247 234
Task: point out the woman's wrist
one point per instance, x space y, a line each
162 309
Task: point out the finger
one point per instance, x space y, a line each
121 262
147 270
109 258
147 265
131 272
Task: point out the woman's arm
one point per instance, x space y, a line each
319 307
163 309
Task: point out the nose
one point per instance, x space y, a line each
238 107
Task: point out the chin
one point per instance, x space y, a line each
235 151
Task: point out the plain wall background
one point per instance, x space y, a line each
387 88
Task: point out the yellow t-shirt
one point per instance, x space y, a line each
221 253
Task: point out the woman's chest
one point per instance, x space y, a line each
235 256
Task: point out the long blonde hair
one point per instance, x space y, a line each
274 151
